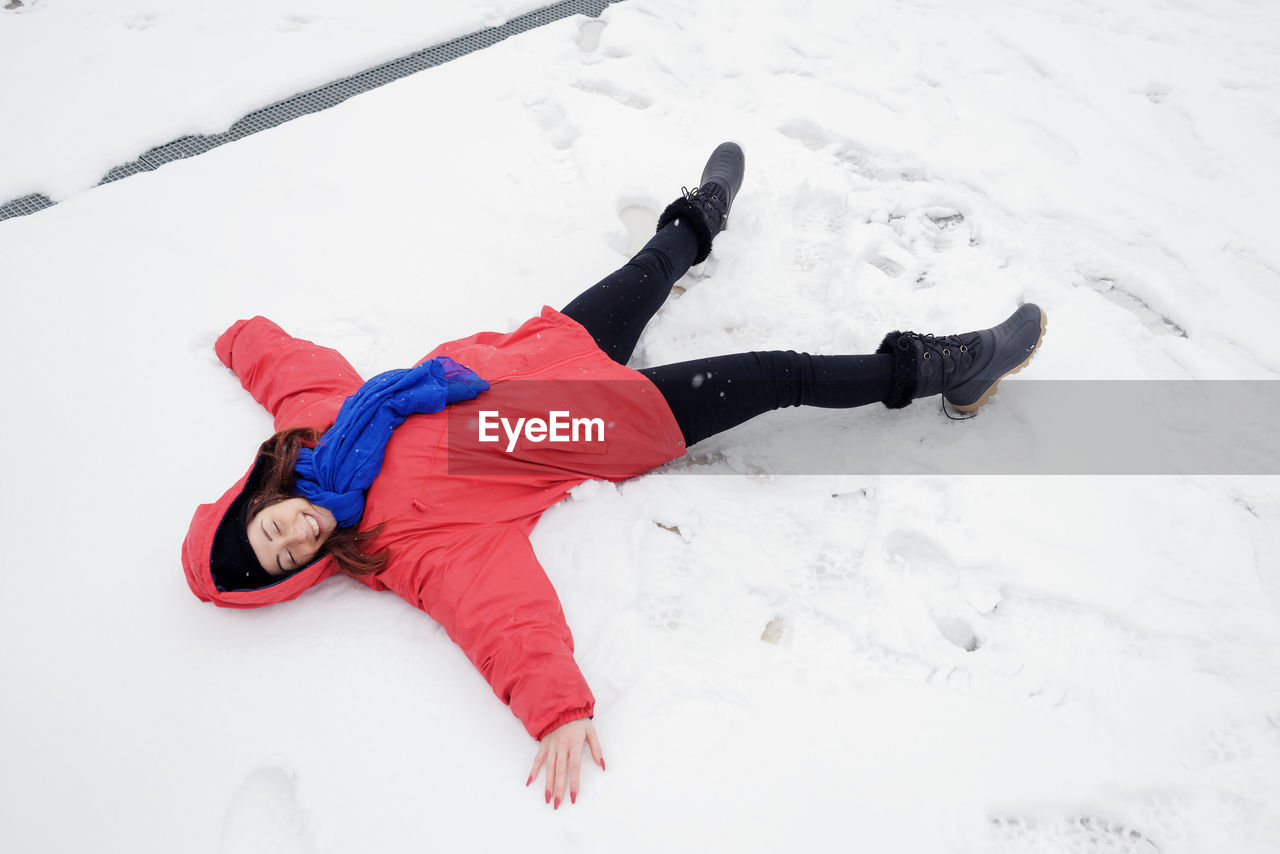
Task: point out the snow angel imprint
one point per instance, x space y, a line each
365 479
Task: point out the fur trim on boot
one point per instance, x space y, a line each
706 209
905 375
964 368
686 209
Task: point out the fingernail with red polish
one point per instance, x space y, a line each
557 806
530 780
601 763
548 797
573 797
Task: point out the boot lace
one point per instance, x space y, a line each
943 348
710 202
697 193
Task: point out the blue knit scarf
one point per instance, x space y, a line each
349 456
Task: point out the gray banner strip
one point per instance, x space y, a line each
1045 427
1036 427
325 96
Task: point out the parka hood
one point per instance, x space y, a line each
210 533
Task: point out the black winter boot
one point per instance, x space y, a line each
964 368
706 209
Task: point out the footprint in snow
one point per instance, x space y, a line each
551 118
807 132
634 100
1148 316
1085 833
588 37
292 23
264 816
938 583
640 221
821 221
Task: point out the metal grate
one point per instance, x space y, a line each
326 96
25 205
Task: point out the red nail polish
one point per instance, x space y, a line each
530 780
601 763
573 797
557 806
548 797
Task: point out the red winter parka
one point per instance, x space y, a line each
457 511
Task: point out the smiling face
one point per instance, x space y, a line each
288 535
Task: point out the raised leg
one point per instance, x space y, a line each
615 309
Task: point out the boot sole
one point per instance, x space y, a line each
986 395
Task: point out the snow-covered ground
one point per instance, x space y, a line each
91 84
960 663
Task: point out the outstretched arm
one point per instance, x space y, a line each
484 585
300 383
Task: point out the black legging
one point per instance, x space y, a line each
713 394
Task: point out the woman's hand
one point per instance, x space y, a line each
561 751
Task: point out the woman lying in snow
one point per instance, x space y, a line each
428 481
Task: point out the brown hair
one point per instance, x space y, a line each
344 545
